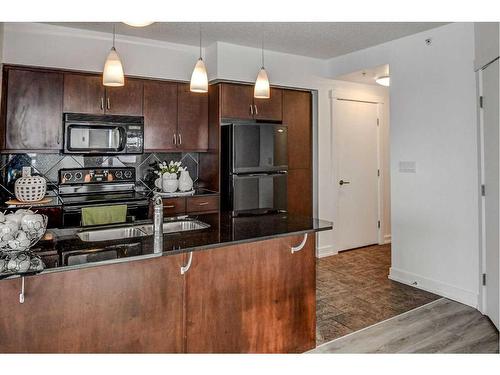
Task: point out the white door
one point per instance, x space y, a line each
357 173
491 178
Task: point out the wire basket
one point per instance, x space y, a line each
30 230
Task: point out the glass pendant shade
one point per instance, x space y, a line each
384 81
199 78
261 88
113 70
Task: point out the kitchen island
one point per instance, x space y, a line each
244 284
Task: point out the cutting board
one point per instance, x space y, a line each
15 202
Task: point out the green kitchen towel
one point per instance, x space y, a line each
102 215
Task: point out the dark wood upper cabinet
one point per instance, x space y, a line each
32 110
133 307
237 101
192 119
160 115
125 100
297 115
83 93
261 298
269 109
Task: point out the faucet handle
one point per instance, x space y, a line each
157 200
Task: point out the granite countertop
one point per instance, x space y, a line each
224 230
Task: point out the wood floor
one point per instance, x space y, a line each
443 326
353 292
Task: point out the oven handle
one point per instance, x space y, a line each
251 175
129 205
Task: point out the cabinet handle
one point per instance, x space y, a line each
251 109
185 268
256 112
301 245
108 103
21 295
59 136
175 139
180 139
102 103
169 206
202 203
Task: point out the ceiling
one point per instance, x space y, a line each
366 76
314 39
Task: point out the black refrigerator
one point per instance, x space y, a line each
254 165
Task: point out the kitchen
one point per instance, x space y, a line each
166 191
111 154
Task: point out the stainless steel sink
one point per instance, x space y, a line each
176 226
140 230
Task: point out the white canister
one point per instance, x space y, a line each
169 185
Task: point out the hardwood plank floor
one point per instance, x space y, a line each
353 292
443 326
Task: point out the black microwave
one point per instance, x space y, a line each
103 134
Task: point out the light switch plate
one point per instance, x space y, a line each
408 167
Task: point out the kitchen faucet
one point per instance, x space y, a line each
158 223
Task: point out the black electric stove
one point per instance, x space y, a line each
87 187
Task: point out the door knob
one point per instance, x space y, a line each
342 182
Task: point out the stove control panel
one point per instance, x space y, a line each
96 175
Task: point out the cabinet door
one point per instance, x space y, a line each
34 110
83 93
300 197
298 116
237 101
192 120
261 298
133 307
160 115
269 109
125 100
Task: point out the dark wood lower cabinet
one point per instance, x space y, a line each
132 307
249 298
252 298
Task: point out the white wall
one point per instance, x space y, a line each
433 122
62 47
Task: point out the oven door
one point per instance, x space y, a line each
259 147
75 257
94 139
259 193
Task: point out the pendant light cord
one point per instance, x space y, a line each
200 40
113 35
262 51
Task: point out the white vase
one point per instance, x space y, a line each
169 182
185 181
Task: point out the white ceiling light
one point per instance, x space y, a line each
383 81
199 78
138 23
113 69
261 88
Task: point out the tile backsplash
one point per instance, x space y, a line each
48 165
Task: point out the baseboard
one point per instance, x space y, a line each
387 238
449 291
325 251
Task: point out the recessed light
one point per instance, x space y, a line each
383 80
138 23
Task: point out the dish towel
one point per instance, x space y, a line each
103 215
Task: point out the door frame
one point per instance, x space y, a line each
482 294
335 95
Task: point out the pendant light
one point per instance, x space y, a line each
113 69
199 78
261 88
